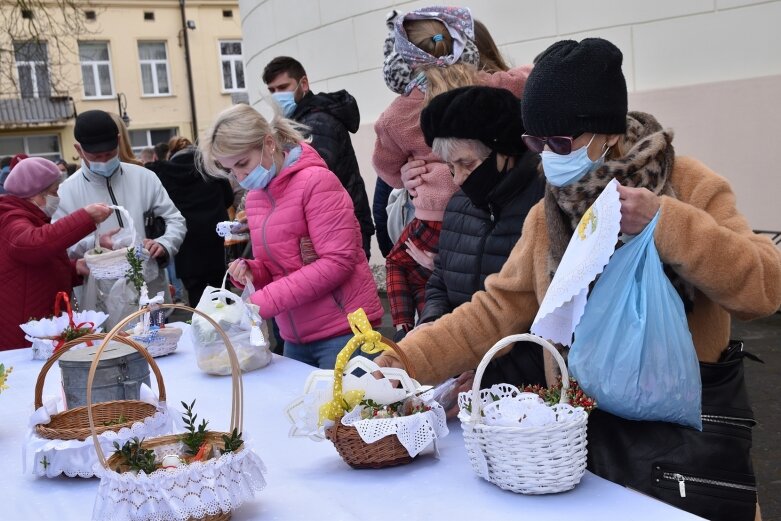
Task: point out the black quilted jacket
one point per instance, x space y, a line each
331 117
475 242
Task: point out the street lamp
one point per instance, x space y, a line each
122 104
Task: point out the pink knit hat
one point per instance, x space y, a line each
31 176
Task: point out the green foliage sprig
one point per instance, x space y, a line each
135 273
136 457
232 442
195 436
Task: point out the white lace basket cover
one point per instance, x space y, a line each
112 264
41 332
77 458
539 459
193 491
190 491
415 432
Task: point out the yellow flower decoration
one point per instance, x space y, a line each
3 376
370 342
589 217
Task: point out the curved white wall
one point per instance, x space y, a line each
710 69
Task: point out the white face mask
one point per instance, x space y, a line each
52 203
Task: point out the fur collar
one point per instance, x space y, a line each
647 162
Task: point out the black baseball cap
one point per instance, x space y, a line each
96 131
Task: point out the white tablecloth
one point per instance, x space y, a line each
306 479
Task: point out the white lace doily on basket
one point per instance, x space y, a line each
50 458
190 491
588 252
415 432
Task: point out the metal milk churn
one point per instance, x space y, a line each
119 375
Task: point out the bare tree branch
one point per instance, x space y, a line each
59 24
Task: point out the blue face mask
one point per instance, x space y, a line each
562 170
286 101
106 169
260 176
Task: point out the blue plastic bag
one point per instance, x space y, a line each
633 351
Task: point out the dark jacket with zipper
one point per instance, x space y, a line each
203 203
331 118
474 243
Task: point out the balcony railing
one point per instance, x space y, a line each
53 110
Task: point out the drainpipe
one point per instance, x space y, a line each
189 71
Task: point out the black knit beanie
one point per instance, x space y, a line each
576 88
487 114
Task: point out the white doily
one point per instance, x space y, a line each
304 411
190 491
415 432
588 252
50 458
505 405
514 408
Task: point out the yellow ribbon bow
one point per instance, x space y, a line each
370 342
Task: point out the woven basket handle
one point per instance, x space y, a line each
86 338
237 412
503 343
129 224
402 357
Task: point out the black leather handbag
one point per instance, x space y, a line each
707 473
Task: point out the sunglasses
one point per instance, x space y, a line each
561 145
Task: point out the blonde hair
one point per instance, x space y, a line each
177 143
491 59
439 79
239 129
126 154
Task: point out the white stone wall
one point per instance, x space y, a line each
696 64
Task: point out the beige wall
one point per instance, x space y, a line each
121 24
709 69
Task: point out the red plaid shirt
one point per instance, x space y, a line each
406 279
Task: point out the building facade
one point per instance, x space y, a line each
130 59
709 69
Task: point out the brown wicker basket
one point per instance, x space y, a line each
213 437
73 424
385 452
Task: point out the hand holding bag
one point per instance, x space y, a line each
633 351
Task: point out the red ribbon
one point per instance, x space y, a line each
63 297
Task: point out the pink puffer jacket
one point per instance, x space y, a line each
310 268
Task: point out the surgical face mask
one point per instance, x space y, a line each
106 169
260 176
52 203
286 101
562 170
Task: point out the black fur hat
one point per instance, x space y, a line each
487 114
576 88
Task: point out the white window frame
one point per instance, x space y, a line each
148 133
95 76
33 74
232 58
153 64
51 156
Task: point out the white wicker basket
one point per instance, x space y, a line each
110 264
528 460
160 342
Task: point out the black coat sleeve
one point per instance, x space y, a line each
329 138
